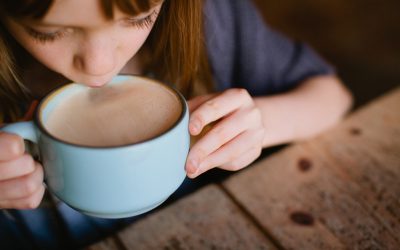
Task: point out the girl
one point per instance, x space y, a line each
257 88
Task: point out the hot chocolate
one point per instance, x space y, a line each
114 115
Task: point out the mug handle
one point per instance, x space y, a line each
26 130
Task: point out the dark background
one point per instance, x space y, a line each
361 38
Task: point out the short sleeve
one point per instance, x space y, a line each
245 52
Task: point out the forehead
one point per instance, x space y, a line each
78 11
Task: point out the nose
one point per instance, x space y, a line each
96 56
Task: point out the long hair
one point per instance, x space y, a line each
175 50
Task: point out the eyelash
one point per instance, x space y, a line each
45 37
145 22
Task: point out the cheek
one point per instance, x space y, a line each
132 42
55 57
52 55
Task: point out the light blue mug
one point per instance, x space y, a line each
109 182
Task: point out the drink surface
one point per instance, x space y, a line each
115 115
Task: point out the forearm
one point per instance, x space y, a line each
317 104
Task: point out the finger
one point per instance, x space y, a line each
243 161
244 143
11 146
217 136
15 168
30 202
218 107
221 133
23 186
198 100
234 150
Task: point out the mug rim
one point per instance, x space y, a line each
43 103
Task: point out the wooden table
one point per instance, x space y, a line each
340 190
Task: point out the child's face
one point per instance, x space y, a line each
75 40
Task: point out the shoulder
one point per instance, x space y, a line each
234 31
244 51
229 13
226 26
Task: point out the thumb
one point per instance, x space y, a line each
11 146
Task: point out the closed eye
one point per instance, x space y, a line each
142 23
46 36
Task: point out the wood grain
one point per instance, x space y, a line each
106 244
206 219
337 191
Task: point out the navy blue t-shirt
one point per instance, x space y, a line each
244 52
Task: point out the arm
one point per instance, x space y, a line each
314 106
242 125
272 91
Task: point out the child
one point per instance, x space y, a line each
256 87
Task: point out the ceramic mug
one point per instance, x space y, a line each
109 182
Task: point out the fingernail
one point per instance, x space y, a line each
191 167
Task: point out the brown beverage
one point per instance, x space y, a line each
116 114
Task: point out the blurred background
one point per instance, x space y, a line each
361 38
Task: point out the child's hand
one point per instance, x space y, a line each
21 178
234 141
